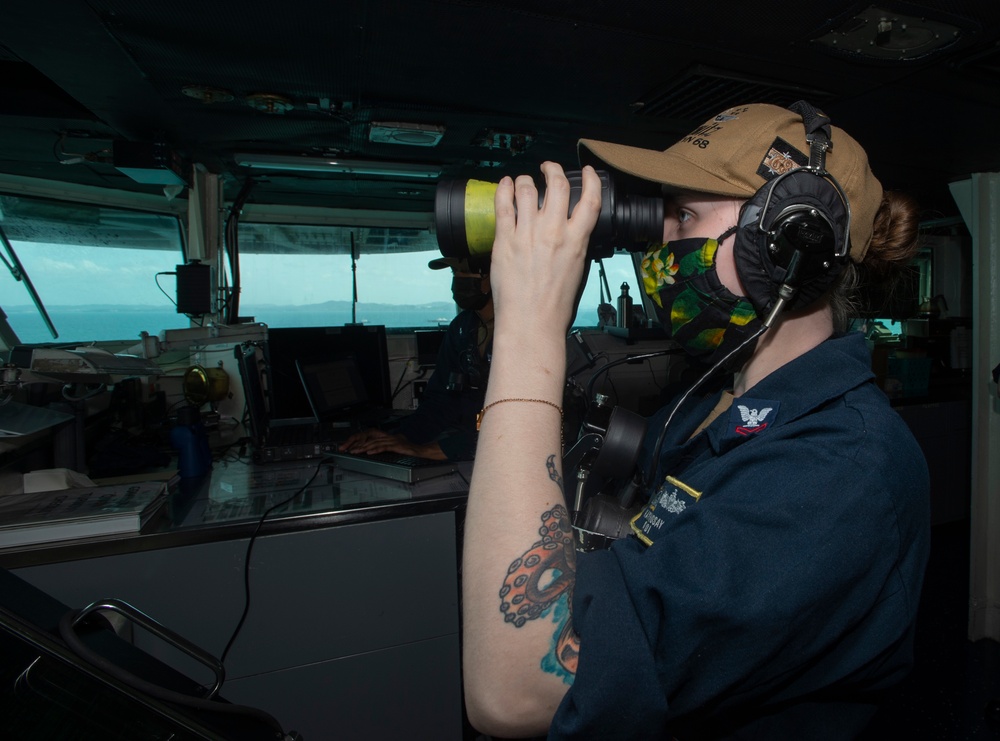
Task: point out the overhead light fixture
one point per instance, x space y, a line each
410 134
292 163
270 103
881 34
207 94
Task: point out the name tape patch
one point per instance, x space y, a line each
672 498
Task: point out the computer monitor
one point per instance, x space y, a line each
333 387
428 344
288 347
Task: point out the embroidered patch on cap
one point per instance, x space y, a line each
781 158
672 498
750 416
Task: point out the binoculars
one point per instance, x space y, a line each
465 219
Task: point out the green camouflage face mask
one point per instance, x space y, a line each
695 309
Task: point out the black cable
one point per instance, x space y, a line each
627 359
193 317
652 377
246 562
614 390
156 280
586 364
654 459
399 383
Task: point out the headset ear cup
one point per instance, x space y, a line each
806 214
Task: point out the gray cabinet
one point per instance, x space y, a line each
352 632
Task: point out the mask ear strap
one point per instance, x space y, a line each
728 233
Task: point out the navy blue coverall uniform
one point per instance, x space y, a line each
771 585
448 415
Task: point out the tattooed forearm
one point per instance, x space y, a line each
550 465
542 577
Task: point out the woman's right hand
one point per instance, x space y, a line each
536 270
539 251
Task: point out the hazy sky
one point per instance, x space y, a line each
65 275
89 275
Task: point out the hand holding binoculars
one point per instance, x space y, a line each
465 219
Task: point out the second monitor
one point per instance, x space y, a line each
289 347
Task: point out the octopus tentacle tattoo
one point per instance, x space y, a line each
524 596
550 466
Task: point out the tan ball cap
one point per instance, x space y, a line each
736 152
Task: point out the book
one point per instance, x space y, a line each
45 517
170 475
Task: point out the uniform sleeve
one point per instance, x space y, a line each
792 573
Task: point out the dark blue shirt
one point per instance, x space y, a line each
773 591
454 393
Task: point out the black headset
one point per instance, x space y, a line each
793 236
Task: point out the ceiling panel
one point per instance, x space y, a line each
512 83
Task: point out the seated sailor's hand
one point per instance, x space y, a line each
356 443
400 444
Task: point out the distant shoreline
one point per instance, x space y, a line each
97 322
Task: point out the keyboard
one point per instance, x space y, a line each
396 466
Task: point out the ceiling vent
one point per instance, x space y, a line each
269 103
701 92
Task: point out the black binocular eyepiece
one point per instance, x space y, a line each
465 219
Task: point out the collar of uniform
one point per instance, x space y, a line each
797 388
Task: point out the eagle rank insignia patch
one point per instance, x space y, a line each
672 498
750 416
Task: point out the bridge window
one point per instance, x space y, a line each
101 273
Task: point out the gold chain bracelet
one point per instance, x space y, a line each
482 413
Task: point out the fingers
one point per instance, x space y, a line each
380 442
375 446
359 440
588 208
503 207
539 249
555 204
517 209
381 446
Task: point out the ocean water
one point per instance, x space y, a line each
85 323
